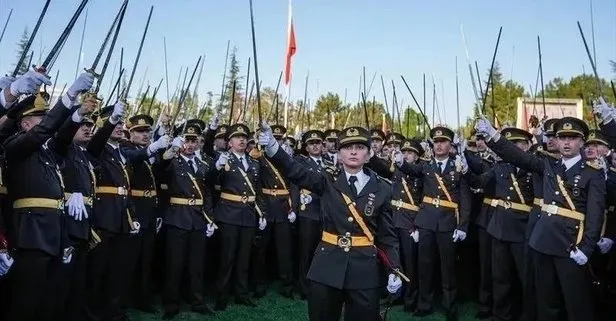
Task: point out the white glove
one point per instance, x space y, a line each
415 236
461 163
305 199
68 259
6 261
222 160
6 81
287 149
76 207
177 142
292 217
214 121
578 256
604 111
393 283
159 224
458 235
29 83
484 126
82 84
161 143
399 158
160 130
118 112
209 231
262 223
605 244
136 228
266 138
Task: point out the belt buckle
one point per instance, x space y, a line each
192 201
507 205
436 202
345 242
61 204
397 203
244 199
551 208
274 192
121 191
494 203
147 193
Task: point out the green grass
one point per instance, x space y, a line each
276 308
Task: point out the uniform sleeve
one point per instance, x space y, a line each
260 199
413 170
466 199
135 155
595 207
387 240
609 130
381 167
298 174
480 180
208 142
63 139
513 155
98 141
475 163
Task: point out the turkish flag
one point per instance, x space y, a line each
291 48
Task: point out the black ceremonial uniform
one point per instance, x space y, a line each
570 220
35 184
237 213
345 267
186 218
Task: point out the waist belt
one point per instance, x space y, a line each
538 201
346 241
275 192
86 199
516 206
39 202
490 201
142 193
437 202
237 198
400 204
555 210
112 190
185 201
3 190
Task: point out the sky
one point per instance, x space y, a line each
335 40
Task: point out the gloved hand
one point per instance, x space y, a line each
398 158
6 261
68 255
161 143
604 111
76 207
159 224
415 236
484 126
177 142
605 245
6 81
214 121
223 159
461 163
262 223
209 231
305 199
292 217
160 130
266 138
393 283
136 228
29 83
287 149
578 256
458 235
118 112
82 84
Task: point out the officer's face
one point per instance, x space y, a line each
314 148
591 152
442 147
386 150
481 144
30 121
552 144
220 144
200 142
140 137
410 156
330 146
118 132
569 146
523 145
602 150
353 156
376 145
190 144
613 159
249 147
83 134
238 144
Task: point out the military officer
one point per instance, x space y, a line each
377 137
331 150
280 216
238 212
442 219
569 224
357 220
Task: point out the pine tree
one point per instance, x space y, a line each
21 48
233 74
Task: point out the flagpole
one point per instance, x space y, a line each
287 63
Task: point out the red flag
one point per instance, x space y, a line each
291 48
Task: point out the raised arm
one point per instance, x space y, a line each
513 155
98 141
298 174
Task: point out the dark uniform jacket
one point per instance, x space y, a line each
357 268
113 211
186 183
33 171
144 192
311 210
233 182
278 206
479 163
555 234
441 218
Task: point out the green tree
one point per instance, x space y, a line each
500 104
233 75
21 48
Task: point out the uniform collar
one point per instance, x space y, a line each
571 161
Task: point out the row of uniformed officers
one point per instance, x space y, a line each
81 210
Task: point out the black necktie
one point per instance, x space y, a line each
116 152
352 181
440 167
190 164
242 162
319 162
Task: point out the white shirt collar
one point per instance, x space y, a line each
362 179
316 159
238 155
186 158
571 161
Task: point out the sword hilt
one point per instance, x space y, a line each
92 71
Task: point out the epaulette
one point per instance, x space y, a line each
333 170
384 179
593 165
427 159
546 153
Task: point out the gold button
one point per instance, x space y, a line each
350 219
511 188
346 249
557 193
508 198
553 203
347 234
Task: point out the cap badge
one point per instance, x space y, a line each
352 132
567 126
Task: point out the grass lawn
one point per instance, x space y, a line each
276 308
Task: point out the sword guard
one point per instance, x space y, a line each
92 71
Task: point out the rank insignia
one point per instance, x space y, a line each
369 209
576 192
